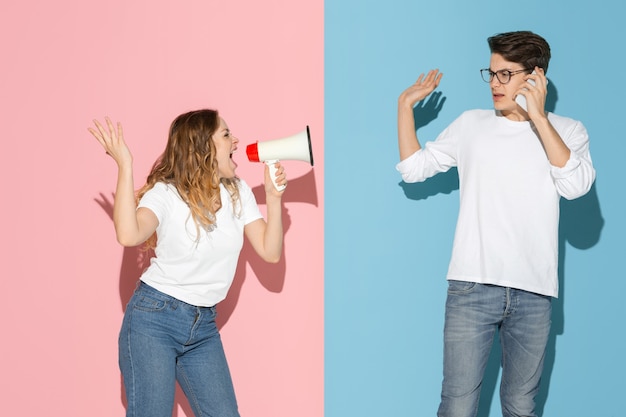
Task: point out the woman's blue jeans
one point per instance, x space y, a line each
164 340
473 314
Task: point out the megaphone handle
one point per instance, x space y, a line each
270 163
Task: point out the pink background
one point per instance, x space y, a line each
65 279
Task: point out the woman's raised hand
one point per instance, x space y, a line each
112 140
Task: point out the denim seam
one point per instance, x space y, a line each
189 392
133 394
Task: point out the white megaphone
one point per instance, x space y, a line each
295 148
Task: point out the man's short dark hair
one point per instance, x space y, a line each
523 47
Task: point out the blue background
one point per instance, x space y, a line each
387 244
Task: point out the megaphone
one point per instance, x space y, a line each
294 148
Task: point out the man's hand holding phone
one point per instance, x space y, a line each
520 99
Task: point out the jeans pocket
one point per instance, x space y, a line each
147 303
460 287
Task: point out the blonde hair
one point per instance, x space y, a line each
188 163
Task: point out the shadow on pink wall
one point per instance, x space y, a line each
271 276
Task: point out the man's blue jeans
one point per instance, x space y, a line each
473 313
163 340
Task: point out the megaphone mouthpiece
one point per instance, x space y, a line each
252 151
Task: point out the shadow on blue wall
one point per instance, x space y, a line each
580 225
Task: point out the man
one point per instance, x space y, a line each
514 165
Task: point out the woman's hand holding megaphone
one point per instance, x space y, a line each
275 178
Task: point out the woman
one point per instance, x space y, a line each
193 211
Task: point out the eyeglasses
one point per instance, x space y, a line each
504 76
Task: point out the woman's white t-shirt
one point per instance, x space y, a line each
198 271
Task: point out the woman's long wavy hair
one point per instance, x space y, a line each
188 163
